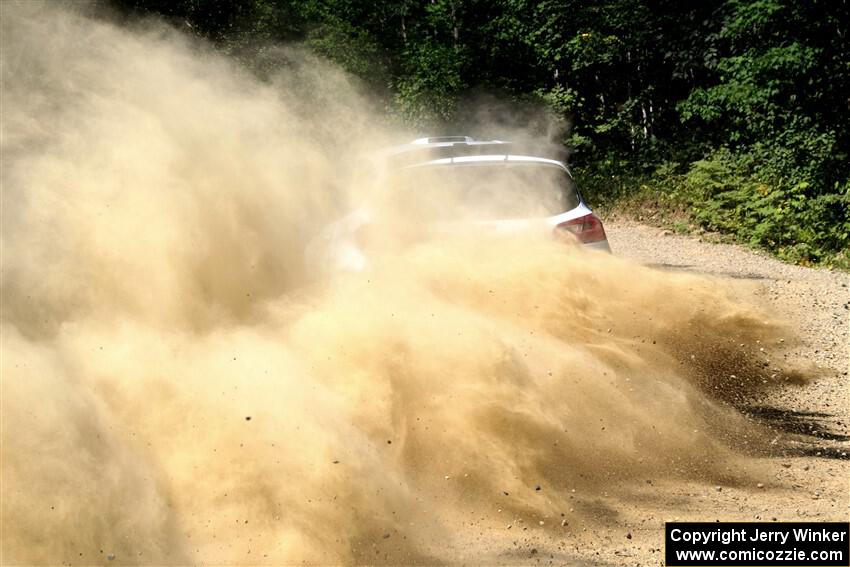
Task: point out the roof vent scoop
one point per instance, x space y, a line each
443 140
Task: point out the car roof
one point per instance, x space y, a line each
457 150
488 159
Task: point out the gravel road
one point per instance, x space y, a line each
814 484
814 301
811 482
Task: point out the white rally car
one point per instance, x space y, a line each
446 182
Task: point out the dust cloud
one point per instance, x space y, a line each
177 388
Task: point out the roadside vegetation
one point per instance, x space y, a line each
731 116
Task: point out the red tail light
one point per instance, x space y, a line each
587 228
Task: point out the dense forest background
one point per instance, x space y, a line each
732 116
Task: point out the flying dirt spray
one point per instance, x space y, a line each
176 389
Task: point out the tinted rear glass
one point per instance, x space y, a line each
481 191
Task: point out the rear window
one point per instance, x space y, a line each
480 191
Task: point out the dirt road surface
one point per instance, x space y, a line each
815 302
808 481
